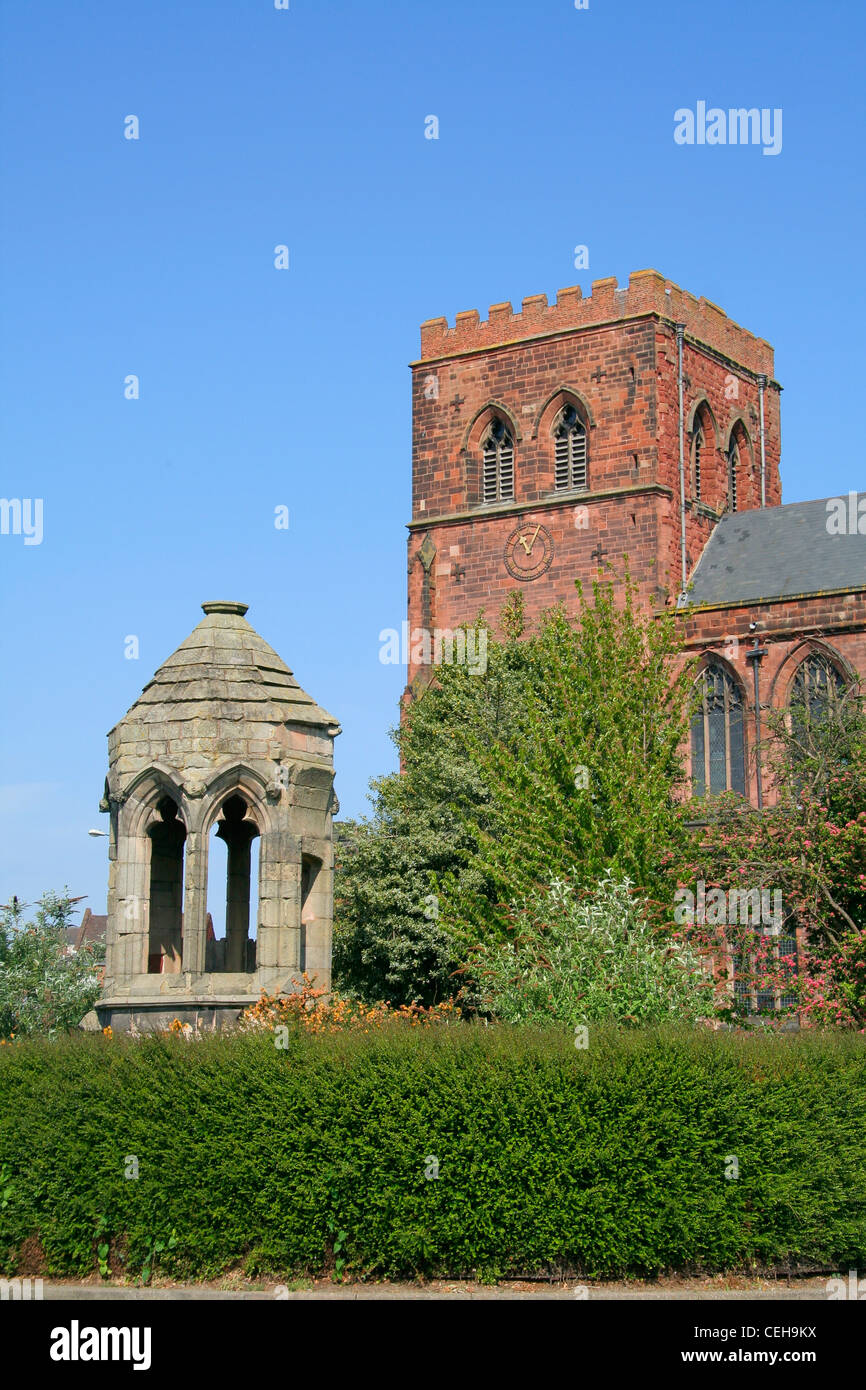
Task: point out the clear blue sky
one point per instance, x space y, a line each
260 387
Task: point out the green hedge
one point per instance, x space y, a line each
604 1162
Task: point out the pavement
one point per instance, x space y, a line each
708 1290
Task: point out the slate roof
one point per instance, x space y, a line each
225 669
777 552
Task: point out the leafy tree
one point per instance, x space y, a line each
391 940
42 988
388 943
586 777
562 756
589 957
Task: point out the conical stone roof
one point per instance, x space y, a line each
225 671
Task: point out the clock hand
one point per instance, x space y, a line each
527 548
532 542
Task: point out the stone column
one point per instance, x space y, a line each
129 923
195 903
279 938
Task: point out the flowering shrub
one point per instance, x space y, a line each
833 986
318 1011
810 847
586 958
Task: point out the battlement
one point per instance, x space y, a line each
648 292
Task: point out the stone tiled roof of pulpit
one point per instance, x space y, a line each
223 695
225 670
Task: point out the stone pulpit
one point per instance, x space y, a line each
222 743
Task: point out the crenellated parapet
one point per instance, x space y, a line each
647 293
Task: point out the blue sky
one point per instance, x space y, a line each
260 387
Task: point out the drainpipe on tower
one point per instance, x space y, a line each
762 382
681 328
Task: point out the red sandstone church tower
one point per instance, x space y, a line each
550 444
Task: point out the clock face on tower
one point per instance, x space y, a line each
528 551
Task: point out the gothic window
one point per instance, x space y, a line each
697 450
766 983
733 469
569 437
233 949
718 745
165 932
817 690
497 453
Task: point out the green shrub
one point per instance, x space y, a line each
43 989
604 1162
590 958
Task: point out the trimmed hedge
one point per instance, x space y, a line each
602 1163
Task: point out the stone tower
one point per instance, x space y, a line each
222 735
550 443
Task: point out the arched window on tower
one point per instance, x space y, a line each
733 472
569 438
718 745
497 452
697 451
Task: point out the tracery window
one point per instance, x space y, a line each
717 738
817 690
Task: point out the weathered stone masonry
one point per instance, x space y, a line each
222 734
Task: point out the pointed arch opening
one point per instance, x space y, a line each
740 465
702 432
233 887
497 462
167 835
718 748
817 691
570 450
